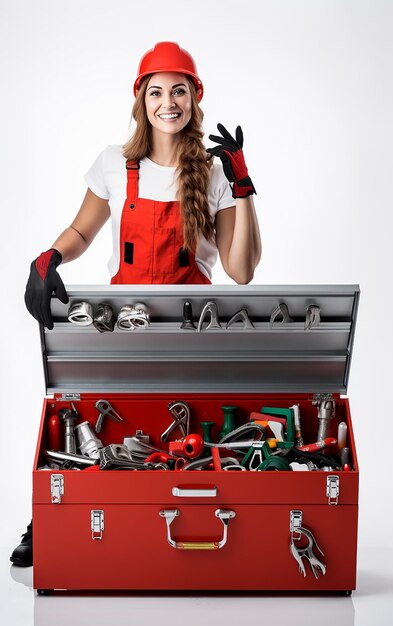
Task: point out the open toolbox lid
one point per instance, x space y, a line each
281 358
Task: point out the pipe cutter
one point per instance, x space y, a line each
181 412
105 410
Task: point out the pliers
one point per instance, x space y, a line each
105 410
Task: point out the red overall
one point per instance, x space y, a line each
151 241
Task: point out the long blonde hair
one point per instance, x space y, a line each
192 172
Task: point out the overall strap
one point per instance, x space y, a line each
132 182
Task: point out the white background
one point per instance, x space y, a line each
311 84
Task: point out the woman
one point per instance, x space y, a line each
179 209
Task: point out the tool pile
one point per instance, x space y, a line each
271 440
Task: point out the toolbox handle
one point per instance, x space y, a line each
184 491
224 515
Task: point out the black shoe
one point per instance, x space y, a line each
23 554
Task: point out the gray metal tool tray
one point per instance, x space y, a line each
164 357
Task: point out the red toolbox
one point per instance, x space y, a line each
202 529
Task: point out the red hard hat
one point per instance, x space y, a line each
167 56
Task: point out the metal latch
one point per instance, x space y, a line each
97 523
333 489
56 487
295 522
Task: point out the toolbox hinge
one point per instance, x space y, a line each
332 489
57 488
97 523
68 397
295 522
318 397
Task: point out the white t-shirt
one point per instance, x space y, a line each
107 178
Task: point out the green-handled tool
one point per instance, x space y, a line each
288 415
229 420
258 452
207 428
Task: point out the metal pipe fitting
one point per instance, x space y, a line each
80 313
133 316
88 443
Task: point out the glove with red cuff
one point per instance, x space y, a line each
231 154
43 281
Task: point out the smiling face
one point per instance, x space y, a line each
168 102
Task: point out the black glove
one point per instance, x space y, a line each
231 154
43 281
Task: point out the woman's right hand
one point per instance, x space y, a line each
43 281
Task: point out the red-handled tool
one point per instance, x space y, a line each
216 459
191 446
159 457
345 458
318 445
55 433
180 463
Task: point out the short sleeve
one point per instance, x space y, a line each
222 190
95 177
